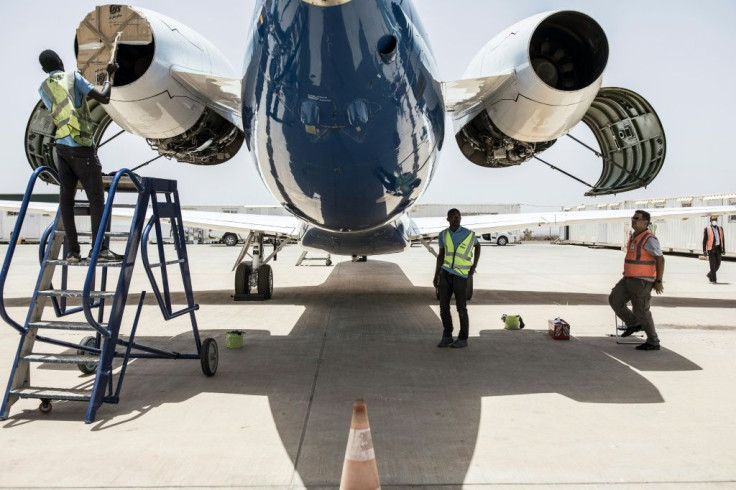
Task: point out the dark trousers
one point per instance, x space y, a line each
639 292
714 259
451 284
79 165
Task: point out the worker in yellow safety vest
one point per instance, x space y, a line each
456 263
643 271
714 246
65 95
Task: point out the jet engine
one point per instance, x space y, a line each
549 71
150 96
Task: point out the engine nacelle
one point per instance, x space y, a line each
557 60
146 99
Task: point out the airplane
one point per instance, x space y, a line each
342 107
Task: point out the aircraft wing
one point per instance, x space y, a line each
486 223
282 226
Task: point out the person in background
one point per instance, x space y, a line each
714 247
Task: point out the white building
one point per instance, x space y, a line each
674 234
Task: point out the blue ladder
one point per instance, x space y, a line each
95 353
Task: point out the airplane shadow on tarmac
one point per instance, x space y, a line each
367 332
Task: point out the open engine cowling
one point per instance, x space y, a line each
146 99
557 60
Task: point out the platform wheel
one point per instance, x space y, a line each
87 367
45 406
209 357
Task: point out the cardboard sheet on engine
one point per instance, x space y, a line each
96 34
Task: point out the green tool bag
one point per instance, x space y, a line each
512 322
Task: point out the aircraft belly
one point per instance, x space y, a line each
343 139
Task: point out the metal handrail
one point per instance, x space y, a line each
166 309
86 290
16 233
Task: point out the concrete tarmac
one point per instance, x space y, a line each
515 409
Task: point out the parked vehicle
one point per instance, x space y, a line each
500 238
228 238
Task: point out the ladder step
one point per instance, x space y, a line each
68 293
52 394
170 262
85 263
112 234
62 358
79 326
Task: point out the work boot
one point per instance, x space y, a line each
460 343
647 346
107 255
631 330
73 258
445 342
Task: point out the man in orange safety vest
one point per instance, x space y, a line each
713 246
643 271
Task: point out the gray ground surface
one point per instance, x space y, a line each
515 409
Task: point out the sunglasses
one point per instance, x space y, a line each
636 218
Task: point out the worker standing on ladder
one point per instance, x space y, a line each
65 95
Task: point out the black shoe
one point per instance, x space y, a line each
73 258
460 343
647 346
631 330
445 342
106 255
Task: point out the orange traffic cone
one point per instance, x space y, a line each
360 471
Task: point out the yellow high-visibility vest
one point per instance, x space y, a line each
69 120
460 260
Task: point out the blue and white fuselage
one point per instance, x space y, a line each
342 111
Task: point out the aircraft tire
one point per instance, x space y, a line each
265 281
209 357
242 278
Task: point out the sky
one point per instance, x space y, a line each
677 54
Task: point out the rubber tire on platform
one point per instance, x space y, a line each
242 278
209 357
45 406
230 239
502 241
265 281
89 341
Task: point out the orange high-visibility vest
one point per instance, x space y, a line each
639 262
711 238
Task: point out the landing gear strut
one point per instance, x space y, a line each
255 274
